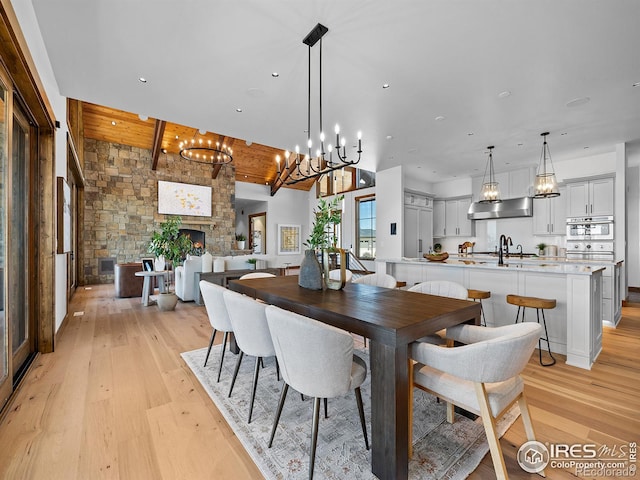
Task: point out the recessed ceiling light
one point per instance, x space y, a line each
142 80
576 102
385 85
177 137
246 176
144 118
563 133
470 134
239 110
440 118
520 144
389 137
637 84
504 94
585 148
113 122
275 74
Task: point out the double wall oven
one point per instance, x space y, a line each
590 238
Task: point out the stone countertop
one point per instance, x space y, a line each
489 263
526 259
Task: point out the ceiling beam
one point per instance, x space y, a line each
158 133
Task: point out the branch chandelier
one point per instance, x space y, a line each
297 168
490 192
206 152
546 185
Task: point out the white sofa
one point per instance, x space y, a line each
185 278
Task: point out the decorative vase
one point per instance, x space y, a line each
207 262
159 263
167 301
338 283
310 271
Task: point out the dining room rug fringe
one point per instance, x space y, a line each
442 451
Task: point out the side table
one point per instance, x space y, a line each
146 286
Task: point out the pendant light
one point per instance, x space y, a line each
546 185
490 192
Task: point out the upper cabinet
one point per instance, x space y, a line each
590 197
549 215
456 223
438 218
514 184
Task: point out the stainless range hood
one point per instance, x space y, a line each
514 207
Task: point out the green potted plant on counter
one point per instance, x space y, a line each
172 246
252 263
541 248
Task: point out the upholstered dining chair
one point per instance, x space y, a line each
482 376
335 275
249 323
257 275
377 279
441 288
323 368
212 295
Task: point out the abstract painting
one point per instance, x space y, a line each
184 199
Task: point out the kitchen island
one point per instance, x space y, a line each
574 326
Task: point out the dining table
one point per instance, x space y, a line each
391 319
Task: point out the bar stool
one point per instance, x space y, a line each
539 304
479 295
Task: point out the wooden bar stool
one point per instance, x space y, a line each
539 304
479 295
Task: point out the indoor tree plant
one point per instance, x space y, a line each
173 246
321 238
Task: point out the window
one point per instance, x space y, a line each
366 227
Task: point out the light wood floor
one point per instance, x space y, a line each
115 400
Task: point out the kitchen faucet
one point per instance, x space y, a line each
519 247
504 248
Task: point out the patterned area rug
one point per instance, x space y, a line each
441 450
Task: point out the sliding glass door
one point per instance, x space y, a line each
5 380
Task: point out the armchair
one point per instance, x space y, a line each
185 279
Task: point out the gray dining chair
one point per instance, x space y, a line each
323 368
377 279
482 376
250 329
212 295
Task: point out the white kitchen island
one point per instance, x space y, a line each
574 326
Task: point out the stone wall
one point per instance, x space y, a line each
121 204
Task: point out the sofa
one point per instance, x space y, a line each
126 282
185 279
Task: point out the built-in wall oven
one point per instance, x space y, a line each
590 238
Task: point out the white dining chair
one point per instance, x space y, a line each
212 295
441 288
256 275
335 275
250 329
482 376
323 368
377 279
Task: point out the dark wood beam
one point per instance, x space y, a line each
158 133
221 141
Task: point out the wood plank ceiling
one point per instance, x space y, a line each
253 163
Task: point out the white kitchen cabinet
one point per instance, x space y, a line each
418 228
455 216
438 218
549 215
513 184
590 197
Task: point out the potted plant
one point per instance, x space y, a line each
252 263
241 239
168 243
541 247
321 238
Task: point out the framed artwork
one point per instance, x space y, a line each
184 199
148 265
64 216
288 239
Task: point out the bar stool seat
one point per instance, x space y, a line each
540 304
479 295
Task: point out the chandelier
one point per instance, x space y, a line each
545 185
490 192
206 152
296 167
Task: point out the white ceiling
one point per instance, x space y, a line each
203 59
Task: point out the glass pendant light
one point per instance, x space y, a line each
490 192
545 185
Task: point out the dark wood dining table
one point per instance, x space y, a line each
391 319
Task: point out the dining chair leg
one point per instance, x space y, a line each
314 435
235 372
410 408
224 346
277 370
490 430
283 396
256 371
213 337
325 408
361 412
526 420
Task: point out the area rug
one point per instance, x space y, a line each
441 450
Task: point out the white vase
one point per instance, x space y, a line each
218 265
207 262
159 263
241 244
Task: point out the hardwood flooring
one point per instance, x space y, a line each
116 401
